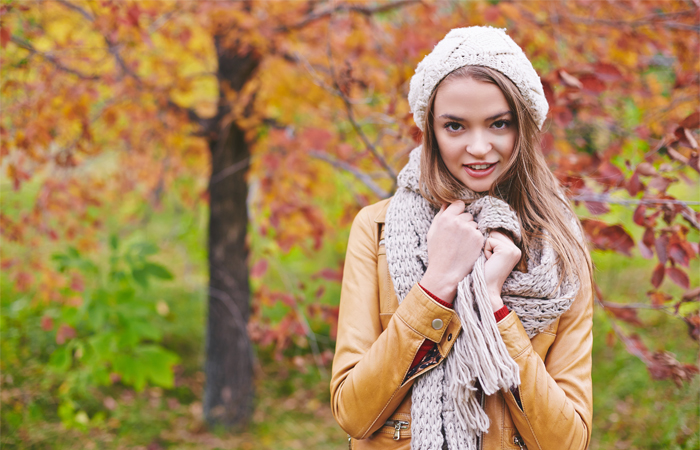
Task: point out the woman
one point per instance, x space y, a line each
466 306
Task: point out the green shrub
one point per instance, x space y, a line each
112 336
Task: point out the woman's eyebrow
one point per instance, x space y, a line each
498 115
451 117
459 119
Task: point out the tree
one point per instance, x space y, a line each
284 96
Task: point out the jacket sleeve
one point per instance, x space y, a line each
370 363
555 409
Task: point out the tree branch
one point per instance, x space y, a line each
55 62
344 7
605 198
77 8
363 177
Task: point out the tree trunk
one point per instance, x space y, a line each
228 393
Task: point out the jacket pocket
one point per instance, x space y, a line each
385 437
398 426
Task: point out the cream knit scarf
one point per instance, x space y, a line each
445 406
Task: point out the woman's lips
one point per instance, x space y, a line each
478 170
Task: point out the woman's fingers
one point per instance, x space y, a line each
489 246
499 236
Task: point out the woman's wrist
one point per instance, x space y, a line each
439 287
496 301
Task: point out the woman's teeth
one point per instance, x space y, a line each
479 166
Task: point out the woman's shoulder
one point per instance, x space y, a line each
376 212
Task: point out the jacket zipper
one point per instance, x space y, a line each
517 440
398 426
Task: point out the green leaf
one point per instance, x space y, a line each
158 271
114 242
61 359
145 330
141 277
131 371
144 249
158 364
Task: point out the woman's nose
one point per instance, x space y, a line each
478 146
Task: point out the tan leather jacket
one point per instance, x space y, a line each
378 340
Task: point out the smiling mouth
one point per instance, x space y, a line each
480 166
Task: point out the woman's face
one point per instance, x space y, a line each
475 131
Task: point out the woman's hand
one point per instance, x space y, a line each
454 243
502 255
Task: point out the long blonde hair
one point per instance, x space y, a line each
526 184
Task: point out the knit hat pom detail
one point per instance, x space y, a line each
476 46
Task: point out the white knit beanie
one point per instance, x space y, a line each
476 46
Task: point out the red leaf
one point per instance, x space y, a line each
416 134
4 35
662 366
685 137
610 175
677 253
605 237
638 215
657 277
634 185
646 252
646 169
316 138
330 275
607 72
692 121
259 269
693 322
548 92
662 248
648 237
597 208
591 83
562 116
660 183
46 323
76 283
628 315
678 276
64 333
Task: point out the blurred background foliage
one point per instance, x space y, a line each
114 114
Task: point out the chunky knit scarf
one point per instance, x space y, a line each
445 406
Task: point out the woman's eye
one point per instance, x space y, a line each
500 124
453 126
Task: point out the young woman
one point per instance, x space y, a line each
466 306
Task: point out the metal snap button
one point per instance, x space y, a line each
437 324
449 338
